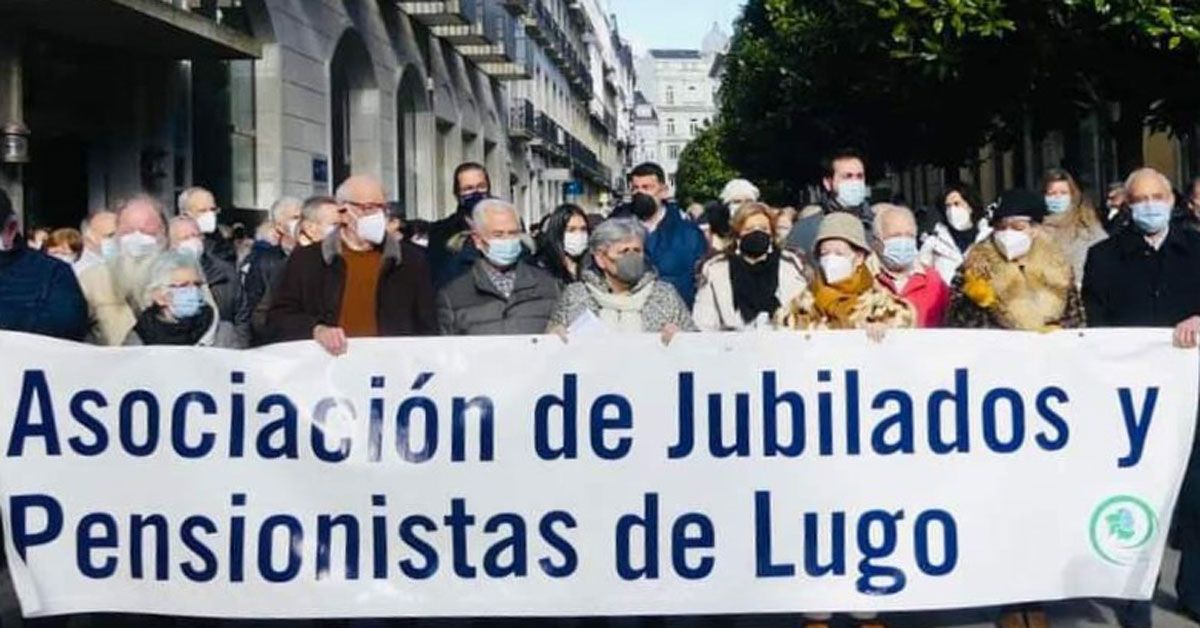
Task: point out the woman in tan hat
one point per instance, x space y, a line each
846 294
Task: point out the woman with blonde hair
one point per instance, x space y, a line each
1071 221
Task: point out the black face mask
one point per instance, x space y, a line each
467 204
755 244
643 206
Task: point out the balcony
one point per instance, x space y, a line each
440 12
498 34
517 62
522 120
517 7
538 22
472 31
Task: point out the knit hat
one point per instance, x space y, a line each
842 226
739 190
1020 203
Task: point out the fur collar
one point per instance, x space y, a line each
1031 292
331 248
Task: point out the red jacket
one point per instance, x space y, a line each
926 291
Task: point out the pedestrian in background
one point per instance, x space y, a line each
844 189
221 279
65 245
744 286
99 241
263 267
563 243
674 246
1071 220
961 222
201 205
451 251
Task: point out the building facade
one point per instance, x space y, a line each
681 86
257 99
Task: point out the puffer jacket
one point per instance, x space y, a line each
40 295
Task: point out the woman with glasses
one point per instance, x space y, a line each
174 308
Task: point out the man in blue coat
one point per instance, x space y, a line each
38 294
675 246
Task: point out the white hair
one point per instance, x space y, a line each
286 202
185 197
883 210
614 231
491 205
739 190
1148 172
159 274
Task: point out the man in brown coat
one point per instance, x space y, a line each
357 283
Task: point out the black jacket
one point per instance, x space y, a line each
40 295
220 247
224 283
261 271
1126 283
447 261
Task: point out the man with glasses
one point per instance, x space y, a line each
200 204
360 284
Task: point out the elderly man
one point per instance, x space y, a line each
200 204
265 264
221 277
1146 276
359 284
99 243
320 217
111 288
895 230
38 294
675 246
503 294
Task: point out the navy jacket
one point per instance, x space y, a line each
676 249
40 295
1127 283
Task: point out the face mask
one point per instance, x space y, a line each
851 193
1013 244
1058 204
575 243
191 246
186 301
138 245
1151 217
631 268
900 253
109 248
836 268
643 206
755 244
504 252
207 222
959 218
328 230
422 242
466 204
372 228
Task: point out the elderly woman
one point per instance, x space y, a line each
619 289
846 294
744 286
174 308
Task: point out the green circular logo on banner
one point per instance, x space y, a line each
1121 529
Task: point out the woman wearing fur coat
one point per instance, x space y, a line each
1018 278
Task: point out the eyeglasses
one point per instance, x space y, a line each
187 284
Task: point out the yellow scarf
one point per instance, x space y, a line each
837 301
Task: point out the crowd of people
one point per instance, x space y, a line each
330 269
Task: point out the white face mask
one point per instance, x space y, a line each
836 268
191 246
575 243
372 228
109 247
959 217
138 245
207 222
1013 244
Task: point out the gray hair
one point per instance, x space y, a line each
1149 172
283 203
86 223
186 195
491 205
882 211
614 231
136 199
159 275
313 204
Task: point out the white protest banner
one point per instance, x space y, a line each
527 477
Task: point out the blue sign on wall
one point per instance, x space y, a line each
573 188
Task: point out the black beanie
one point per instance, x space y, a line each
1020 203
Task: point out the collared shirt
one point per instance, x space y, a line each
505 279
1156 241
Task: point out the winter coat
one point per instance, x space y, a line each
1074 241
874 305
225 285
40 295
472 305
262 270
110 316
939 250
447 251
310 292
1034 293
675 248
926 291
1127 283
220 247
714 309
650 306
220 335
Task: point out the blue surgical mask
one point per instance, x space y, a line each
504 252
186 301
851 193
109 248
900 253
1151 217
1058 204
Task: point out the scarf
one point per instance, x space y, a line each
754 286
153 330
622 312
964 239
838 301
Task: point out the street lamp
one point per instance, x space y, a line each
14 144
